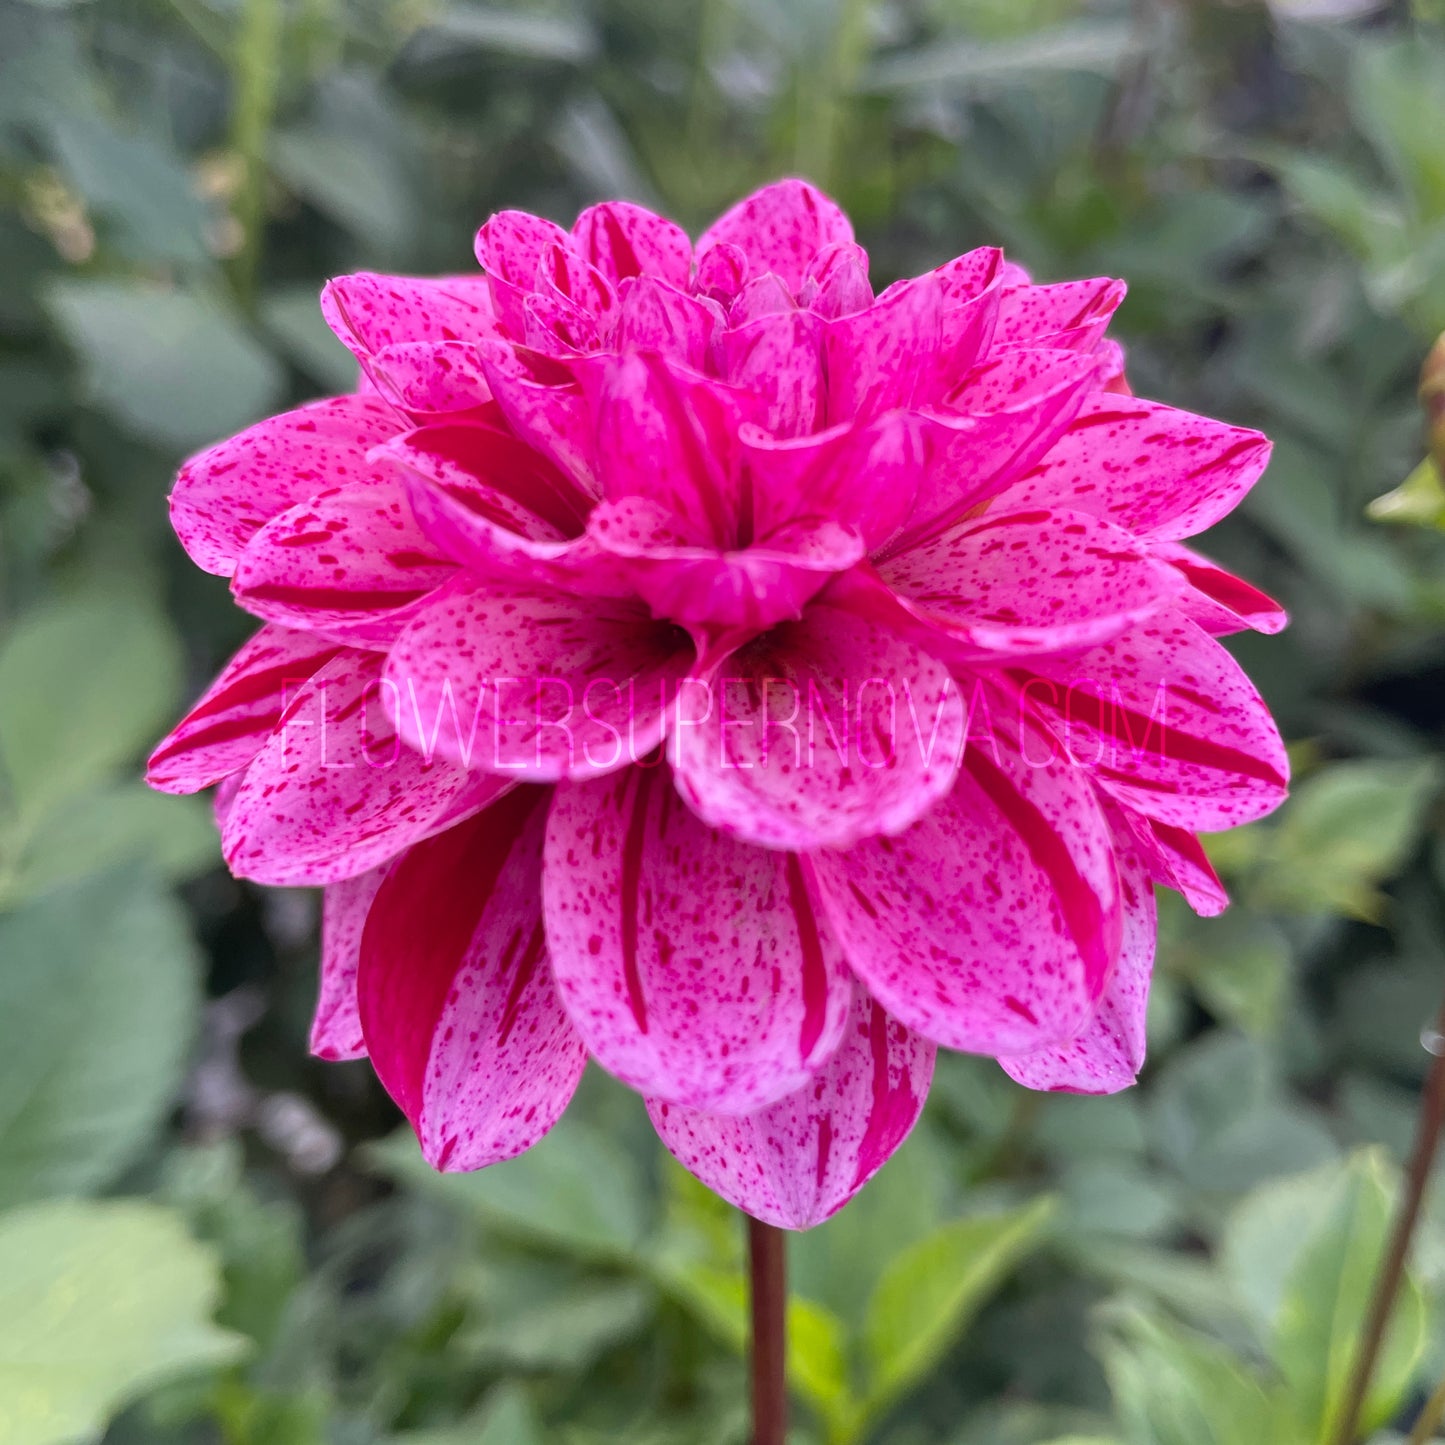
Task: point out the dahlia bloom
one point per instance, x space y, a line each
684 657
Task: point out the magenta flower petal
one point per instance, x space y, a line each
350 564
779 229
225 495
1072 314
695 966
877 360
779 358
994 922
535 683
336 1025
333 793
1162 473
1217 600
803 1158
830 730
368 312
461 1019
238 712
1012 583
1167 723
623 240
1176 858
1108 1054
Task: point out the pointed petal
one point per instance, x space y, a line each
720 1008
510 245
1152 469
1217 600
544 407
348 564
653 316
461 1018
334 793
536 683
1166 722
779 358
780 229
1022 582
877 360
837 281
336 1026
225 495
1176 858
993 923
802 1159
1073 314
1109 1052
368 311
822 732
428 379
624 240
237 713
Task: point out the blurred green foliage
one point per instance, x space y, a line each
218 1239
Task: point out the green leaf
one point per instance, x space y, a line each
173 367
125 824
98 1302
1419 501
85 684
928 1294
97 1008
1175 1387
505 1418
1398 97
567 1193
559 38
1347 829
1326 1296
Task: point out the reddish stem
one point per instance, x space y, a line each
767 1250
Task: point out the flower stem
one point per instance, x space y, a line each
1430 1119
767 1251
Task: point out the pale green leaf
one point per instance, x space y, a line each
98 1000
928 1294
98 1302
1419 501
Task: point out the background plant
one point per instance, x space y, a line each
219 1240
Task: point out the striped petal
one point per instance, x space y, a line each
336 1025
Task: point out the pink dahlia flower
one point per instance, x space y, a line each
680 656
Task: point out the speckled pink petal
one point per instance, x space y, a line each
351 565
1109 1053
535 683
837 281
1025 401
1175 858
336 1025
721 274
236 714
780 229
860 475
368 311
430 379
460 1015
670 438
1163 473
545 409
334 793
802 1159
654 316
994 922
1218 601
225 495
623 240
695 966
779 358
1072 314
1022 582
1165 721
878 359
820 733
510 245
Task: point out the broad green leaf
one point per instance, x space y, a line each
1175 1387
930 1291
98 1302
174 367
125 824
572 1192
1398 97
97 1009
86 683
1419 501
460 27
1326 1296
1348 827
